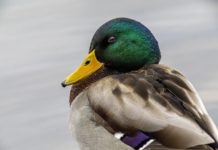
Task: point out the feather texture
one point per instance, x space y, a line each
155 99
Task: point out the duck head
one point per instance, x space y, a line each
122 44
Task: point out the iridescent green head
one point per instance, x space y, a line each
125 44
120 44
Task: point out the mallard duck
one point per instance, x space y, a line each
122 98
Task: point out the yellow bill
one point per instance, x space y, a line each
88 67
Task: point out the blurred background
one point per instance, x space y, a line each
42 41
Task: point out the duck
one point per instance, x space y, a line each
123 98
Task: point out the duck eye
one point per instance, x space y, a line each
111 39
87 62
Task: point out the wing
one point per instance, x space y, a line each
155 99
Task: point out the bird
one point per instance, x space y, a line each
123 98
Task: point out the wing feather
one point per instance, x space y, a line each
155 99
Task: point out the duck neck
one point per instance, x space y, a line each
81 85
